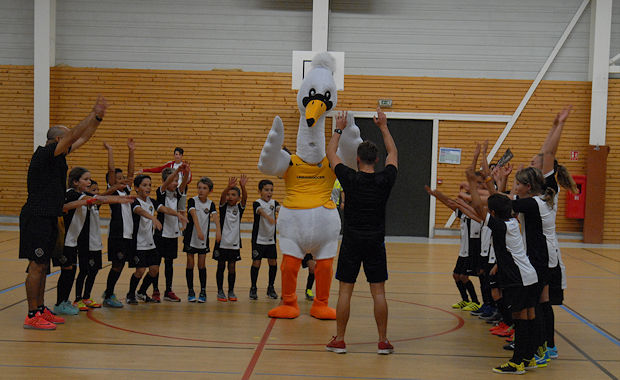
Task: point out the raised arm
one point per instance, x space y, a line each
550 146
273 159
474 162
476 202
244 194
232 181
79 134
186 178
172 177
392 153
131 160
467 210
442 197
111 167
332 146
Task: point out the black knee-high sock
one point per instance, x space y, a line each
219 275
146 282
202 274
472 291
539 326
66 277
521 341
310 281
273 270
189 278
90 281
549 324
485 289
155 282
168 272
503 310
462 290
133 284
231 280
254 275
113 277
532 345
79 284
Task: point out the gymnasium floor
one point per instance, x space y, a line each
238 341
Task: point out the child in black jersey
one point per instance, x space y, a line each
201 211
227 251
264 237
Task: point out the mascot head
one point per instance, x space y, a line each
317 95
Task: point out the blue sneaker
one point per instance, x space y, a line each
66 308
541 361
553 352
112 301
484 309
191 296
202 298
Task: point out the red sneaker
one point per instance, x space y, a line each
38 323
170 296
511 338
337 346
49 316
504 333
500 326
156 297
385 348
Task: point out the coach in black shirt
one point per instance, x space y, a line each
38 220
363 239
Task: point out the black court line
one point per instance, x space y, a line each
25 299
590 321
122 344
600 254
585 355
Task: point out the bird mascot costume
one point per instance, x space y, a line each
308 220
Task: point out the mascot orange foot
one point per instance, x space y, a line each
289 307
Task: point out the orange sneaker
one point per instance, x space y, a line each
80 305
49 316
385 348
38 323
90 303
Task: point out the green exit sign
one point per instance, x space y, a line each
385 102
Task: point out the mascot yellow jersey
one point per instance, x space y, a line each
308 186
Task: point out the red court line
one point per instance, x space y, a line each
259 350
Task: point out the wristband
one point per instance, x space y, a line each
488 179
99 119
338 131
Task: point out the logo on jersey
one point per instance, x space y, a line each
151 208
271 208
39 252
235 212
206 211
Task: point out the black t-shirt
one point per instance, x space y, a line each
47 182
367 195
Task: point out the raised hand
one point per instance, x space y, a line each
232 182
243 180
101 105
561 117
341 120
380 120
471 174
506 170
131 144
107 146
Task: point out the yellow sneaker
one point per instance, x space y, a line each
80 305
90 303
460 305
309 295
472 306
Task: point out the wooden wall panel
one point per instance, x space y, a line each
222 118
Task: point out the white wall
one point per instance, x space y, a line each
16 32
615 30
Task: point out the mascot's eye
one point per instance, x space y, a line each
328 95
312 92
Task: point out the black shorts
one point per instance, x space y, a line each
167 247
493 282
464 266
556 293
521 297
224 254
67 258
144 259
191 250
304 261
264 252
354 252
89 260
37 237
475 252
119 250
544 276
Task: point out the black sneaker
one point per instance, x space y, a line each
253 291
271 293
511 368
131 299
510 346
143 297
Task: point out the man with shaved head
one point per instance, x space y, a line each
38 220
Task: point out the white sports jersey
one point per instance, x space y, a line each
94 233
74 219
230 221
143 227
265 232
470 229
204 210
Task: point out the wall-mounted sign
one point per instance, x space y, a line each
574 155
449 156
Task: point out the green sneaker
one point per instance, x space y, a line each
460 304
472 306
65 308
112 301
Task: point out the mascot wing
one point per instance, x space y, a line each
349 141
273 160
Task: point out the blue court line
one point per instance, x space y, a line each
118 369
592 326
22 284
450 273
594 265
336 377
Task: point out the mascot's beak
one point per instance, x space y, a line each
314 110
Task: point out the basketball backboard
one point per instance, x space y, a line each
302 61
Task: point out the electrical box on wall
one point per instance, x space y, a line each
385 103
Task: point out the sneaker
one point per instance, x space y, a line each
231 296
530 363
309 295
504 333
542 357
191 296
143 297
510 368
131 299
90 303
499 326
202 298
170 296
253 293
553 352
385 348
338 347
112 301
49 316
460 305
38 323
472 306
490 316
511 338
156 296
480 311
221 296
271 293
65 308
509 347
81 306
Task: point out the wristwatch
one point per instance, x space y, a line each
338 131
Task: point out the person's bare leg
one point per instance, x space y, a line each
41 296
381 309
33 284
343 308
